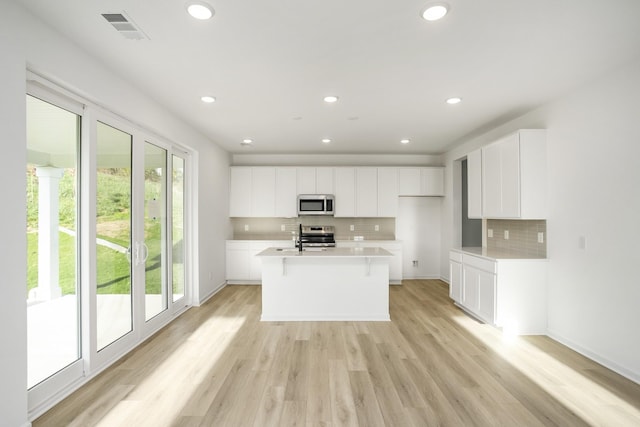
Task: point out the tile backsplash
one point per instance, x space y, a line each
523 236
271 228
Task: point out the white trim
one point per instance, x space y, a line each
211 294
61 91
633 376
244 282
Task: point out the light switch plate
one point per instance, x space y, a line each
490 232
540 237
351 227
376 227
506 234
246 227
281 227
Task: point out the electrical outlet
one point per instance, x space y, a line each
540 237
376 227
490 232
351 227
246 227
506 234
282 228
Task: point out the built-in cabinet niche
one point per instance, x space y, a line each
507 178
371 191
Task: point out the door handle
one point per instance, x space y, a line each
146 252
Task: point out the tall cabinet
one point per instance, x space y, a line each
514 176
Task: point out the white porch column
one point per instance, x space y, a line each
48 241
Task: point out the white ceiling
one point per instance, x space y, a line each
269 63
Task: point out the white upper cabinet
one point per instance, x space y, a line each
421 181
313 180
240 192
432 181
306 180
324 181
514 176
345 192
263 191
286 193
409 182
387 192
474 184
366 192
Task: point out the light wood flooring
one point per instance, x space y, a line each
218 365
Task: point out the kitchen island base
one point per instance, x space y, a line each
304 287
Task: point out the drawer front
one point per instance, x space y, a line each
455 256
479 263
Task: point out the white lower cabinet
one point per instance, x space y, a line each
237 260
243 266
479 293
455 277
508 293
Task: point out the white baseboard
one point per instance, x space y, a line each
244 282
633 376
211 294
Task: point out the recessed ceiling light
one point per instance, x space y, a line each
326 140
247 141
208 99
200 10
454 100
404 141
435 11
330 98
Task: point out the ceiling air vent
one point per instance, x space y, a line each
125 26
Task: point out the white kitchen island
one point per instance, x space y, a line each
324 285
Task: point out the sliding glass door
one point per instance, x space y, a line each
52 291
107 239
156 293
113 248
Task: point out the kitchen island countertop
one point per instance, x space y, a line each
325 252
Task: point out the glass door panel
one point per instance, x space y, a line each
114 252
178 228
53 339
155 230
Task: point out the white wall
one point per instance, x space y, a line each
13 249
25 40
418 226
593 175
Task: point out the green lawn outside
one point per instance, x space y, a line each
113 268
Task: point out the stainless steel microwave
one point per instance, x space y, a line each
315 204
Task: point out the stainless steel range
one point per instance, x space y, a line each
317 236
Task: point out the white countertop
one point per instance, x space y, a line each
497 254
325 252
